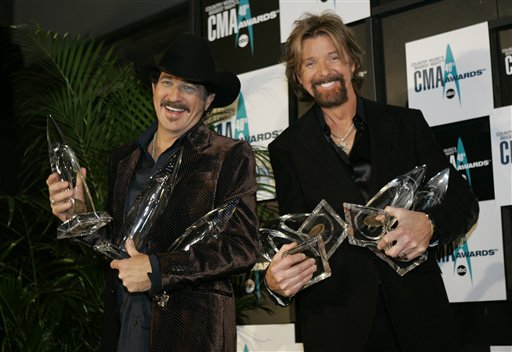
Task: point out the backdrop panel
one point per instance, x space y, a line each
449 77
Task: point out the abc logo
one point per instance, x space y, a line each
243 40
450 93
461 270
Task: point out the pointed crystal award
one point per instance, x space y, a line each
367 225
398 192
146 209
83 218
207 227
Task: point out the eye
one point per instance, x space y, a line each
166 82
309 63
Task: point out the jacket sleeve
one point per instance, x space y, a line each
236 249
288 189
458 211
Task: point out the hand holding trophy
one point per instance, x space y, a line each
318 235
82 219
368 224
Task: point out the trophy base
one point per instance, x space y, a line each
314 248
110 251
83 224
401 267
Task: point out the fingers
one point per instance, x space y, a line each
411 236
59 195
287 275
130 248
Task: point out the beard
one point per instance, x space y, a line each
335 97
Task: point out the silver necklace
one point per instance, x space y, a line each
342 141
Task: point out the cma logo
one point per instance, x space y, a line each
445 76
508 65
239 22
460 162
506 152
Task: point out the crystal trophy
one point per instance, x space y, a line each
207 227
398 192
369 225
281 231
318 235
83 218
314 248
146 210
324 221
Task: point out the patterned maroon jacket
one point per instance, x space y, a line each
200 313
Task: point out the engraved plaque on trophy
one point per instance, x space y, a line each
83 218
324 221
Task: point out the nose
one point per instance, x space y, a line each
323 68
173 94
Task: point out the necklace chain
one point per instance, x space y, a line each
342 143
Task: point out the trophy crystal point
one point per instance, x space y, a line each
83 219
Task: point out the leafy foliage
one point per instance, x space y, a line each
51 291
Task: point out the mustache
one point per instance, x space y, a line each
329 78
170 104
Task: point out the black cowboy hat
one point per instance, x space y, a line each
189 58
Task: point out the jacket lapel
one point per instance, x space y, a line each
311 137
380 127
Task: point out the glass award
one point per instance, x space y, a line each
146 210
432 192
207 227
83 218
398 192
324 221
311 231
314 248
367 225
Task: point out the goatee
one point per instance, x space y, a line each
333 98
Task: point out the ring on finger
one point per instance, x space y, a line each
402 255
52 202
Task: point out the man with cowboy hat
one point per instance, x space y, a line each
180 300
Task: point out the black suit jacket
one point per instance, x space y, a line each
200 313
337 313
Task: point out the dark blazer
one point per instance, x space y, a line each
200 313
337 313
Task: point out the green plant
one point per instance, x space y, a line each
51 291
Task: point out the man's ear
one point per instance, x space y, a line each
209 100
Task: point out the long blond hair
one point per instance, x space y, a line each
312 25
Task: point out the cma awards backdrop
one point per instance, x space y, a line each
450 79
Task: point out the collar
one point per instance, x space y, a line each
147 136
359 118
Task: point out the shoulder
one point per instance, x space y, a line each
373 109
293 132
121 151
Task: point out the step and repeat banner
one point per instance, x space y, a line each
449 78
